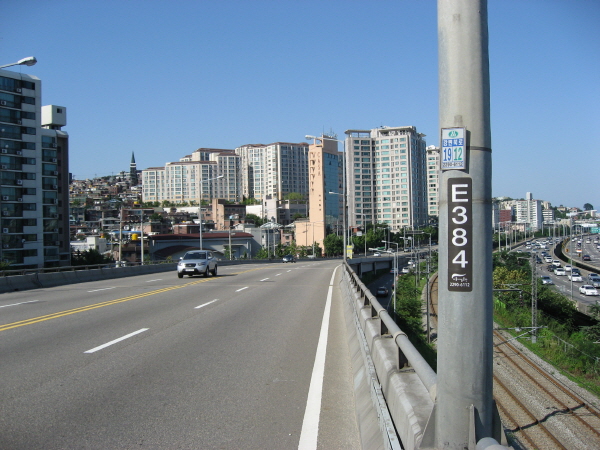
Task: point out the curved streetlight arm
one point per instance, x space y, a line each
29 61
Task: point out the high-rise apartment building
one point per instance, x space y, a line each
529 211
272 171
34 175
325 201
433 180
386 177
194 177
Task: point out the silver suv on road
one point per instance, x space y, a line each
197 262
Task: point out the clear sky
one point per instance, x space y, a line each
163 78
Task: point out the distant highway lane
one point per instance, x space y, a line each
157 362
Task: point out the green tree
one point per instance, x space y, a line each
333 245
408 304
250 201
295 197
255 219
588 207
89 258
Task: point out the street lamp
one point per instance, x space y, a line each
200 216
323 138
29 61
365 228
395 270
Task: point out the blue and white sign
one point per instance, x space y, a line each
454 149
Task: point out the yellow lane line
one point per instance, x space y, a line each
56 315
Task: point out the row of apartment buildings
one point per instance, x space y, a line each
387 176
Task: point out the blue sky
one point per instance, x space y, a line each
163 78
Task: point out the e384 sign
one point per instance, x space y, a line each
460 235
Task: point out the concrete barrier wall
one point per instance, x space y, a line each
52 279
407 400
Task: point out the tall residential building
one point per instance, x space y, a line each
386 177
529 211
433 180
325 165
274 170
34 175
195 176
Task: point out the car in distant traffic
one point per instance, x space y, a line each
559 271
594 279
550 268
586 289
289 259
382 291
575 277
376 254
197 262
405 269
586 258
548 259
568 268
546 279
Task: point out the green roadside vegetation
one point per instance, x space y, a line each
407 311
567 339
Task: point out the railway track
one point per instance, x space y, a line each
548 414
537 409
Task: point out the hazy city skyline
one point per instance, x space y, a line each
163 79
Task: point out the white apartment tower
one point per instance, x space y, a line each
386 177
433 180
34 176
529 211
272 171
194 178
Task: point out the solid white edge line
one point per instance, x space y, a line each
116 340
310 424
206 304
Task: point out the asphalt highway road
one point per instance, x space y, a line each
158 362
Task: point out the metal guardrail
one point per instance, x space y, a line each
409 354
408 359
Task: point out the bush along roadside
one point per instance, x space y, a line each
566 339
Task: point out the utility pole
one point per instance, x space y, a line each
464 410
534 296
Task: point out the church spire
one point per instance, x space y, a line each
133 178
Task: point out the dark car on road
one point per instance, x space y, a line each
289 259
382 291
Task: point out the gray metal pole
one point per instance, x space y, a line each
465 352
